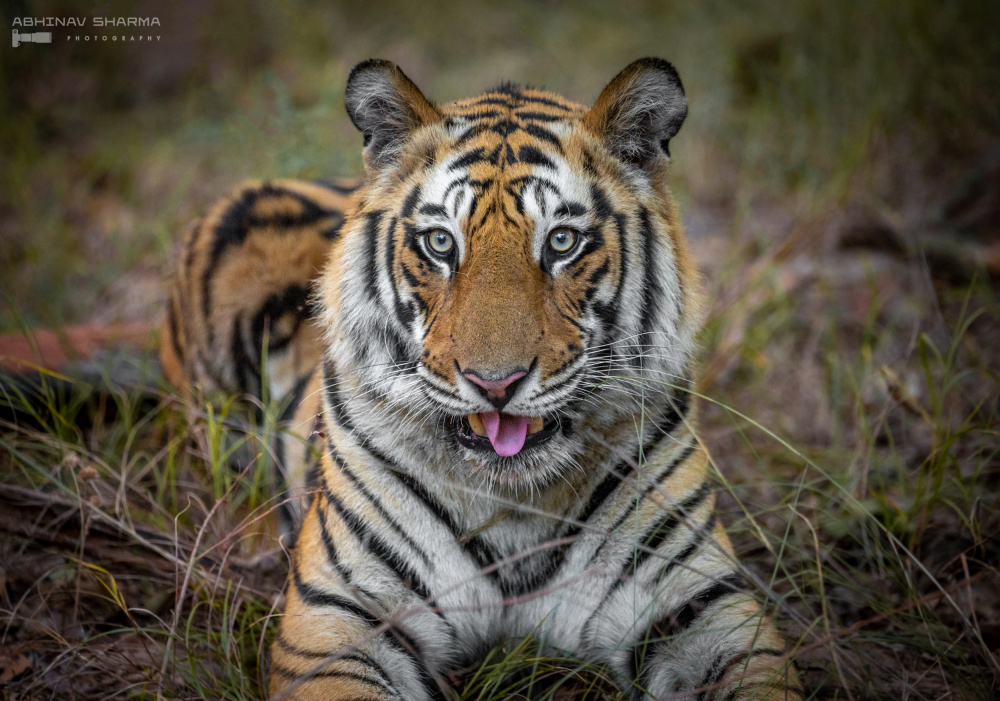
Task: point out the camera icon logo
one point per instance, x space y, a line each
16 38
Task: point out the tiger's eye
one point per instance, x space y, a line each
440 241
562 240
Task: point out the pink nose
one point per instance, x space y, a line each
495 389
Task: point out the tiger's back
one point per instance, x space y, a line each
508 445
244 278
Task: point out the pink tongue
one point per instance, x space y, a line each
506 432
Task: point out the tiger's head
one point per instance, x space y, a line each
514 279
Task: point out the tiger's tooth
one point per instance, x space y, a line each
537 422
477 424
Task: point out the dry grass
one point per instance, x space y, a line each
838 174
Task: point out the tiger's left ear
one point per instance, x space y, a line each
640 111
386 107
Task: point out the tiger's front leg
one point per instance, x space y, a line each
331 645
676 617
698 629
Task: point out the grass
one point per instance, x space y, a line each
838 175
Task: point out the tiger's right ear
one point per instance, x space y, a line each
640 111
386 107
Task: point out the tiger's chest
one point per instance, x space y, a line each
535 576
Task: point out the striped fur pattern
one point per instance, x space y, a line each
514 265
241 293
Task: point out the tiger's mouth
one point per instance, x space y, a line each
504 434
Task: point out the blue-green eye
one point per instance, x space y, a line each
440 241
562 240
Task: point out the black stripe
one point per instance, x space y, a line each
413 281
332 556
230 231
599 200
339 188
621 225
293 300
364 534
720 667
410 203
313 476
544 134
651 291
356 657
285 512
236 222
511 95
313 596
682 618
660 479
679 620
372 221
366 660
474 546
699 537
475 156
396 637
294 398
246 367
509 156
175 339
538 117
505 127
557 372
503 101
544 101
606 487
434 210
515 583
652 540
475 130
569 209
404 572
329 674
677 409
404 312
405 645
332 232
369 539
331 385
535 157
599 274
299 652
664 527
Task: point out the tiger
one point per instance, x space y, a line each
490 343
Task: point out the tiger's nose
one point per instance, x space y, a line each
497 392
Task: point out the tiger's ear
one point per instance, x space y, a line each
386 107
640 111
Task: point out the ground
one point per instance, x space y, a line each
839 177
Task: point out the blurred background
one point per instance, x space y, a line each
839 177
877 114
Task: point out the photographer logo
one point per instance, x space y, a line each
122 29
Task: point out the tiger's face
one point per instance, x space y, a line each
509 255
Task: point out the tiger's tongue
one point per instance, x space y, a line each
506 432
